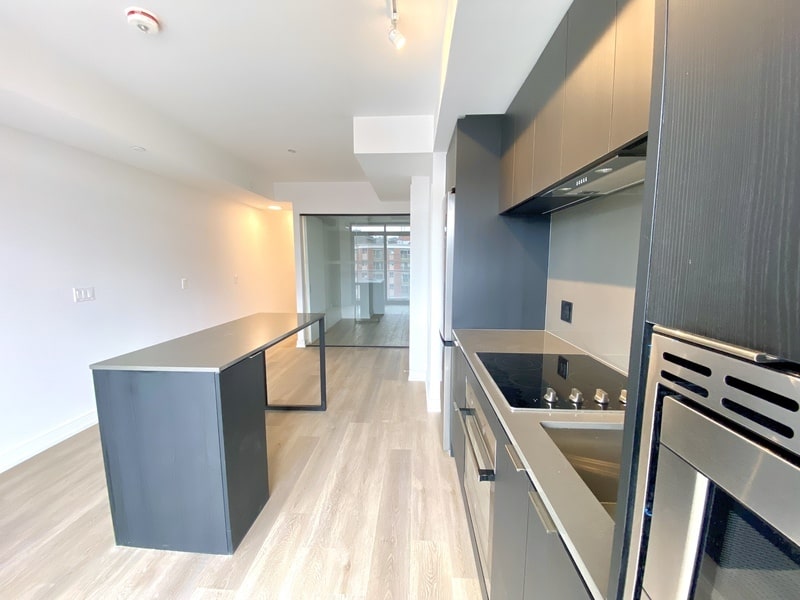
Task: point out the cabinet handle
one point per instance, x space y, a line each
514 456
477 449
541 510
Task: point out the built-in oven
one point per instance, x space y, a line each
479 471
719 504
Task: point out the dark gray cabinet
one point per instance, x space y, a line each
185 454
549 570
633 65
523 110
550 74
587 95
458 402
506 199
510 522
725 246
589 86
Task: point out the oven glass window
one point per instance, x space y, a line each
744 557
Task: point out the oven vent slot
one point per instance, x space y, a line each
759 419
685 384
759 392
687 364
763 400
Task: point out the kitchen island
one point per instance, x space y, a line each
542 445
183 433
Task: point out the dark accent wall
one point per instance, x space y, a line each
500 262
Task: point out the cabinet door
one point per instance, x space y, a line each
549 571
523 107
725 249
590 80
510 522
243 398
506 164
549 74
633 67
458 401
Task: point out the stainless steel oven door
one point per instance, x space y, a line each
724 515
479 464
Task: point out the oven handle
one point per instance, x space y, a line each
474 439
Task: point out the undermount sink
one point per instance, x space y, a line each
594 451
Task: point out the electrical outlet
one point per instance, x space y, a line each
566 311
82 294
184 283
235 280
563 367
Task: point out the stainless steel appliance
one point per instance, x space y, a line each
616 173
716 510
555 381
479 471
446 333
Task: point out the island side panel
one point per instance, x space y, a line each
243 397
162 452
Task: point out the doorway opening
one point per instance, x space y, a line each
357 270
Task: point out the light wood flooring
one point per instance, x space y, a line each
390 330
363 505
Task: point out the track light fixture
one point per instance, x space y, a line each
397 38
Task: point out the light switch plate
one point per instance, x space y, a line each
566 311
85 294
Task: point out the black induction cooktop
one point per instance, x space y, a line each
524 380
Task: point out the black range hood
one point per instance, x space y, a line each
606 176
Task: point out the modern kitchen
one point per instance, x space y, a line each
602 385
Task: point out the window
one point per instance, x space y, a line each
406 277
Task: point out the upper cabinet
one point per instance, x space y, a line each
591 33
507 163
587 96
523 141
633 69
550 73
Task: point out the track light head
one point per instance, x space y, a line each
397 38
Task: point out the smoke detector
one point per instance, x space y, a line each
143 20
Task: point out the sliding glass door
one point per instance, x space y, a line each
358 271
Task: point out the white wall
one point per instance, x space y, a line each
73 219
593 256
419 301
279 266
436 279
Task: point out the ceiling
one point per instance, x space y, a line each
225 91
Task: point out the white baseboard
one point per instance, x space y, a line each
416 375
11 457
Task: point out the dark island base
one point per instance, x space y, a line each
185 455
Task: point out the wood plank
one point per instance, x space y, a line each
363 505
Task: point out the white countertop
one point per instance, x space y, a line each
215 348
585 527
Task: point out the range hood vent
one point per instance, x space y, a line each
622 170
